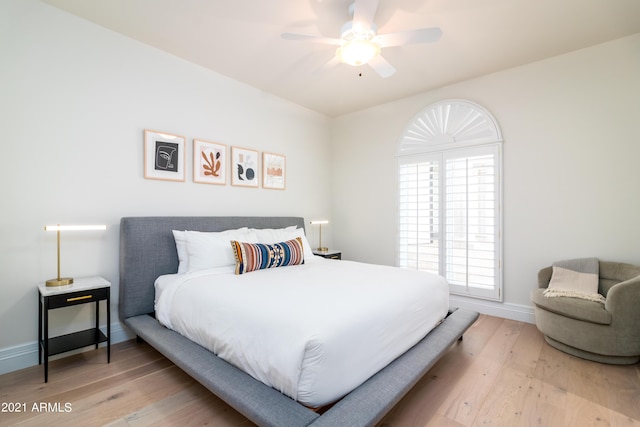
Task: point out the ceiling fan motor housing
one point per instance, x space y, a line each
357 48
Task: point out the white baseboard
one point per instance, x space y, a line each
26 355
521 313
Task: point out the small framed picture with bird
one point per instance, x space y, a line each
209 162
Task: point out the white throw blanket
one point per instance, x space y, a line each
576 278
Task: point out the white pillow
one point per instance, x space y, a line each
181 247
213 249
272 235
308 252
278 235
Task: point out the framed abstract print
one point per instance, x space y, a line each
273 171
164 156
244 167
209 162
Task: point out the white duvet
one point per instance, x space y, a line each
314 331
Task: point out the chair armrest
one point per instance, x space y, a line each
544 277
623 300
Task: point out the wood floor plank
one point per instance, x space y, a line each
586 380
584 413
553 367
431 393
502 373
422 402
86 371
122 397
480 384
442 421
216 413
622 390
620 420
479 334
463 402
75 389
501 344
504 403
525 353
163 408
544 405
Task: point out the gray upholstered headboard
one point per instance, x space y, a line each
148 250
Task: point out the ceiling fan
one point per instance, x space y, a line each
359 42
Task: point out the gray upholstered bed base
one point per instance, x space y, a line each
147 250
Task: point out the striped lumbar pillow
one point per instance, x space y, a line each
257 256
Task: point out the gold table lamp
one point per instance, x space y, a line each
319 223
61 281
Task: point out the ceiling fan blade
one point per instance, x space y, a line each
423 35
327 66
381 66
306 37
363 14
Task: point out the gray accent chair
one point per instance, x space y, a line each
607 333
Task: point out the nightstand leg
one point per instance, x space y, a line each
39 329
108 325
97 322
45 340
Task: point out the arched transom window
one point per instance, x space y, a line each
449 194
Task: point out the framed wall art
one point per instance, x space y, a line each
273 171
244 167
164 156
209 162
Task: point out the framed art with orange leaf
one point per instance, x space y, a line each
209 162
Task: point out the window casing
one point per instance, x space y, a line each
449 218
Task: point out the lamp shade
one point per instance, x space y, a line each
74 227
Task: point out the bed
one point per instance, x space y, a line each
148 251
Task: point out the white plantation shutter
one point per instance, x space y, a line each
449 215
470 214
419 214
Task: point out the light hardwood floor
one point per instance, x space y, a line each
502 374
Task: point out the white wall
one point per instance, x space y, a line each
571 170
74 101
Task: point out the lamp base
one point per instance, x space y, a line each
63 281
322 249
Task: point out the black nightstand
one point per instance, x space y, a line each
81 291
330 254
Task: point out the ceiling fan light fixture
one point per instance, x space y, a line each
358 52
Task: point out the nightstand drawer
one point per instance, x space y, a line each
328 254
80 297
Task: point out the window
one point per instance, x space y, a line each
449 209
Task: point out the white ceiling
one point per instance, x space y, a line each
241 39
